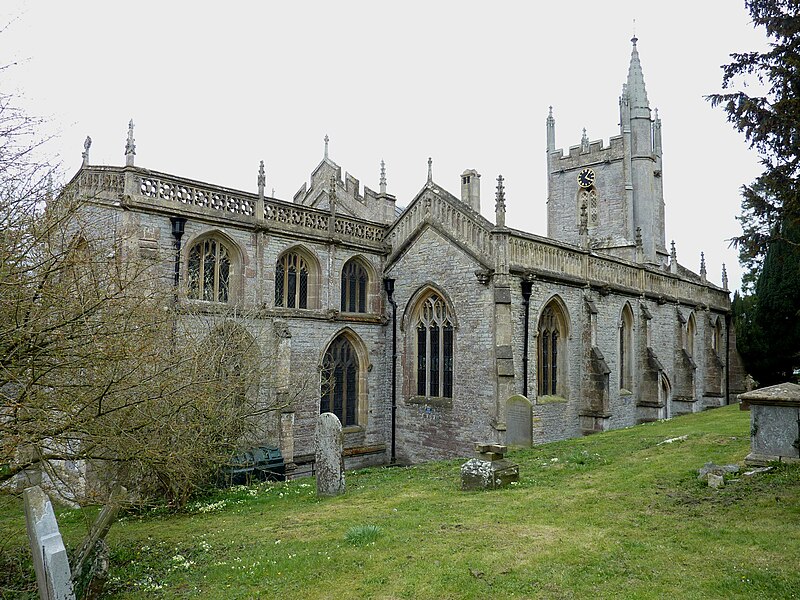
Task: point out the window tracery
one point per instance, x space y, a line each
292 279
434 326
552 335
339 391
209 271
354 287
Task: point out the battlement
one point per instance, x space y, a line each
597 152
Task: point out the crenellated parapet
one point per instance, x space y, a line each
578 157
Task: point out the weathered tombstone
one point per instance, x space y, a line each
489 469
519 423
774 415
329 465
50 560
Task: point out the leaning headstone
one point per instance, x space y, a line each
519 423
489 469
329 465
49 555
774 415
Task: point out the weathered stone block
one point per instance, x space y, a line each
478 474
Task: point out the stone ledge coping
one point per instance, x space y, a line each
783 394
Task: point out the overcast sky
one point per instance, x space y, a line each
215 87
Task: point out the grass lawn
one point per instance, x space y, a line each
607 516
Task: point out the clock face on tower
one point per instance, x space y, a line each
586 178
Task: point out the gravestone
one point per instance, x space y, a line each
489 469
519 424
329 465
774 418
50 560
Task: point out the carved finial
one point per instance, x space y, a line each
724 277
638 237
86 145
383 177
673 258
634 39
327 139
262 179
130 147
332 191
272 195
430 169
673 254
551 131
703 266
500 203
584 141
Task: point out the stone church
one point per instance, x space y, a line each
429 328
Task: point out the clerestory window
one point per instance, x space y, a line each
292 280
209 271
354 287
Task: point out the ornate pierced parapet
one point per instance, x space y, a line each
167 193
540 256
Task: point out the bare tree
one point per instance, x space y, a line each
99 370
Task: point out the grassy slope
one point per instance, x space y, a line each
615 515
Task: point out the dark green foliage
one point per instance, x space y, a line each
768 334
768 323
769 117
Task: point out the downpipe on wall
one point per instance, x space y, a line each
527 287
388 285
178 228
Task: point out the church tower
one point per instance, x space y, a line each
611 198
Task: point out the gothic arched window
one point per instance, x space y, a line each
339 386
691 329
209 271
292 281
716 337
552 336
626 354
354 287
434 327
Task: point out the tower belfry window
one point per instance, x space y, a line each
588 198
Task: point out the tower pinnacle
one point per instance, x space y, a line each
637 95
130 146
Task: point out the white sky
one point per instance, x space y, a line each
213 89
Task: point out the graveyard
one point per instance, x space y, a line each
621 512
